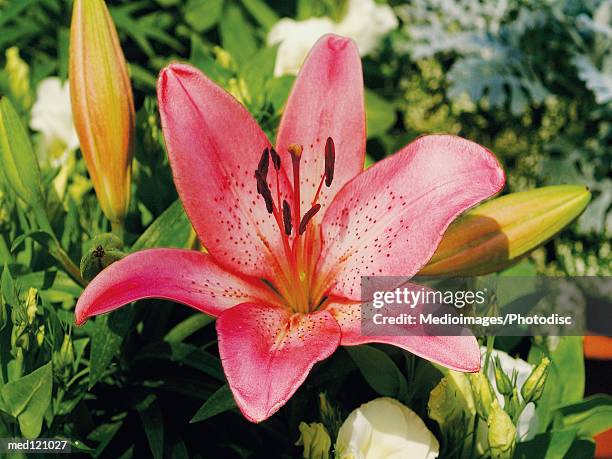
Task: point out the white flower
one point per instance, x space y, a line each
365 21
528 420
296 38
52 117
385 429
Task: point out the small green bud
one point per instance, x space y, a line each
224 59
40 335
534 385
64 359
31 305
330 415
104 251
443 406
20 338
315 440
513 404
501 434
502 381
483 393
3 312
18 74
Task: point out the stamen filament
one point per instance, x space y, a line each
316 197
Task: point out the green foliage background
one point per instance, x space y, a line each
530 79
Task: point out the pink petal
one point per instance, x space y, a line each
326 101
214 146
459 353
268 352
389 220
185 276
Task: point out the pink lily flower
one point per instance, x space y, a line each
291 229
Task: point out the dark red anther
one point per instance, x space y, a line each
264 190
262 167
287 217
307 217
330 161
276 160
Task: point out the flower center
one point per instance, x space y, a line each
301 242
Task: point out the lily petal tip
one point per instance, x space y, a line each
337 43
80 319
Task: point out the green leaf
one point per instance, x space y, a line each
186 354
565 382
109 332
257 71
12 10
263 14
278 91
19 163
171 229
581 449
153 423
144 28
589 417
8 288
28 398
380 114
237 35
188 327
219 402
202 59
380 371
103 435
42 237
203 14
551 445
54 286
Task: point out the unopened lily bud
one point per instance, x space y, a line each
501 434
483 393
534 385
502 381
498 233
105 250
102 105
315 440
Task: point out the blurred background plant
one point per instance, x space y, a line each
531 80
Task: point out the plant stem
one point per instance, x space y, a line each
117 229
73 270
474 435
55 248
